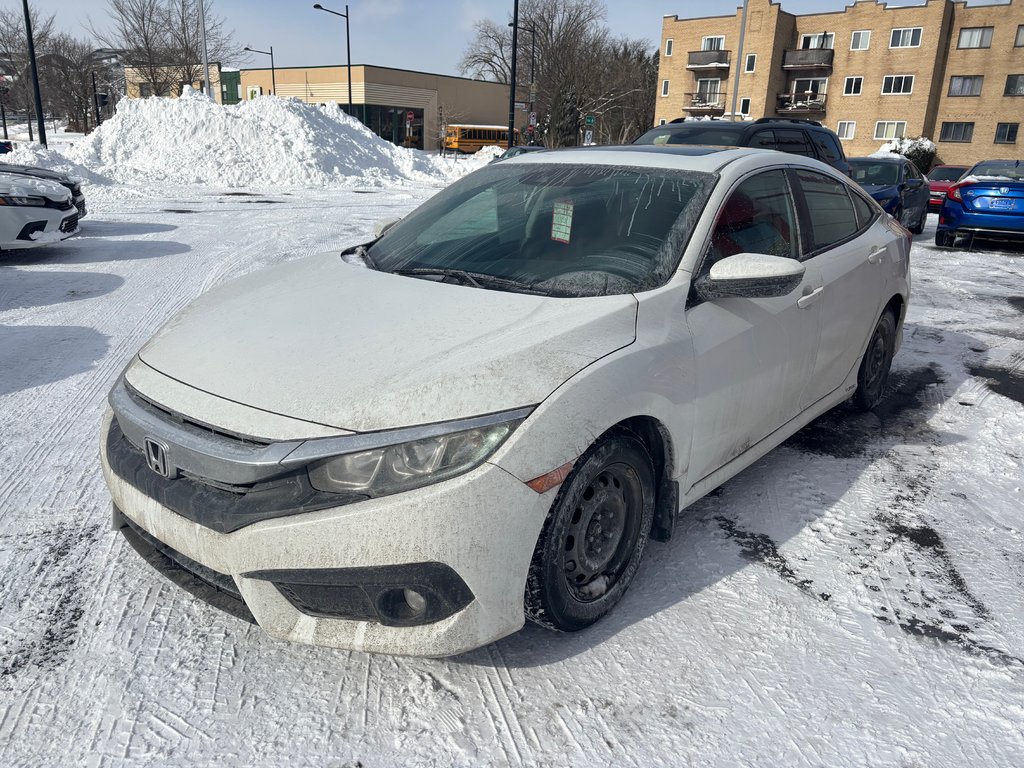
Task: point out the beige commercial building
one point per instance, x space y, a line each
139 82
402 106
944 69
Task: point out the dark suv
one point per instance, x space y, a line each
798 137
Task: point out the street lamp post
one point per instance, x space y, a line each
206 58
533 61
348 50
273 78
512 85
35 78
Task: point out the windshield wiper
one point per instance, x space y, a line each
475 279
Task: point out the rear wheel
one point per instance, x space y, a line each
594 535
944 238
874 368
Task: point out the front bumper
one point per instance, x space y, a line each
482 526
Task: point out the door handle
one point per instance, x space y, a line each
876 254
809 298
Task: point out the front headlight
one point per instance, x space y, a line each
38 202
411 464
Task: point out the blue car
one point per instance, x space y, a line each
897 185
988 202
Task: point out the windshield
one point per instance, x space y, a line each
713 135
556 229
946 174
874 174
1011 169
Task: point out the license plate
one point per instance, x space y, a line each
1001 204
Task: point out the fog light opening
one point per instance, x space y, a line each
402 606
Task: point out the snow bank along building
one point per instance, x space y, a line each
383 98
944 69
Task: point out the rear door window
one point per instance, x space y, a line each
831 216
794 141
763 139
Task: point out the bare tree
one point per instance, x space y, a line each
66 72
579 69
185 38
14 60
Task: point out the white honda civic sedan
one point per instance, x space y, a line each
483 415
34 212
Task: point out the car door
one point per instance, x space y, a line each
753 357
848 246
915 193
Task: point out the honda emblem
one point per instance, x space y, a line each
156 457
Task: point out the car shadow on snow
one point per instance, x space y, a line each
32 355
90 250
98 228
20 289
814 470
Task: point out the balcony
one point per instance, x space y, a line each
811 58
704 103
806 103
708 60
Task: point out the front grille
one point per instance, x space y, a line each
70 224
217 589
144 402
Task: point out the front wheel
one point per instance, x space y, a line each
593 538
918 228
874 368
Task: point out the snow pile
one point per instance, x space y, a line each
905 146
265 142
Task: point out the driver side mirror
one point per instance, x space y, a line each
750 276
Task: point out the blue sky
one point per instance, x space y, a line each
427 35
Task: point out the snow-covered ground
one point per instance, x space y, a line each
855 598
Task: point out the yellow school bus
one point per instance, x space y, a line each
471 138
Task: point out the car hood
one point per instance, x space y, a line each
14 185
356 349
39 173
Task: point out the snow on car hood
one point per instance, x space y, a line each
29 186
352 348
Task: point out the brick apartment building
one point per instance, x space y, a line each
943 69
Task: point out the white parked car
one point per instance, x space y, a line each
483 415
34 212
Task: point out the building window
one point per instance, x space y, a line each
751 62
810 87
861 40
1014 85
1019 42
708 93
846 129
745 107
664 88
897 84
975 37
907 37
968 85
1006 133
959 132
890 129
823 40
662 121
853 86
668 47
713 43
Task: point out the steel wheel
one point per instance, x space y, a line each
594 535
874 368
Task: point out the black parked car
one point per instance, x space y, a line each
798 137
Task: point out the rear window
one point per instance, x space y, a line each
1011 169
828 146
693 133
946 174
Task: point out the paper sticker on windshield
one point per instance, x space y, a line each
561 221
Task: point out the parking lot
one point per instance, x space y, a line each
854 598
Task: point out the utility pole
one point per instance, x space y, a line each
95 98
739 61
35 78
206 59
512 85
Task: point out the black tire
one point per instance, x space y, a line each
874 368
944 239
919 227
594 535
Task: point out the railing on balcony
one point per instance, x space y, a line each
800 103
708 60
705 103
808 58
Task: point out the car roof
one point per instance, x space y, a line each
890 160
698 158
